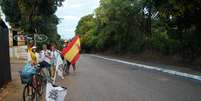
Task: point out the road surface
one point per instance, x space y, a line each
102 80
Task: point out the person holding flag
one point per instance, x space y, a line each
66 62
72 51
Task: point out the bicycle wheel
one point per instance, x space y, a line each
26 93
40 85
36 97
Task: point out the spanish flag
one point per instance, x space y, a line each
72 51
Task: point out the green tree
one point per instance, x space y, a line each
86 28
122 23
183 17
166 26
33 15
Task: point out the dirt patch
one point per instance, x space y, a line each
13 90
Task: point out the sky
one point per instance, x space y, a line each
70 14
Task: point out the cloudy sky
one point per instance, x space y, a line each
71 12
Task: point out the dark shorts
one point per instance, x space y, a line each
44 64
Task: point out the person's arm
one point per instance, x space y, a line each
48 55
59 52
41 56
37 58
51 55
29 60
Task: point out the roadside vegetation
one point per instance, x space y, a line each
168 27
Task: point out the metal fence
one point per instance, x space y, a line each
5 71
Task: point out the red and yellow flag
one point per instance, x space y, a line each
72 51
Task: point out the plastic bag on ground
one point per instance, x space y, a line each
55 93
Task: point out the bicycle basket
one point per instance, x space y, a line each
26 78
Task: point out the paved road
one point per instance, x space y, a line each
103 80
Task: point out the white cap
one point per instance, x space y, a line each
34 47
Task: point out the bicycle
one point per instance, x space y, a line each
36 87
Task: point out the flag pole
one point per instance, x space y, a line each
55 76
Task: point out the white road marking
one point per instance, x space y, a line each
196 77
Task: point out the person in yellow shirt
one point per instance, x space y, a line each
33 59
33 56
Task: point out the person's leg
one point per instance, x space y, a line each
52 71
30 90
74 67
34 83
46 70
49 70
43 66
46 73
68 66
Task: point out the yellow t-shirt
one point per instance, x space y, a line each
33 56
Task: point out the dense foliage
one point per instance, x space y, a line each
166 26
31 16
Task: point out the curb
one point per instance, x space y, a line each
173 72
